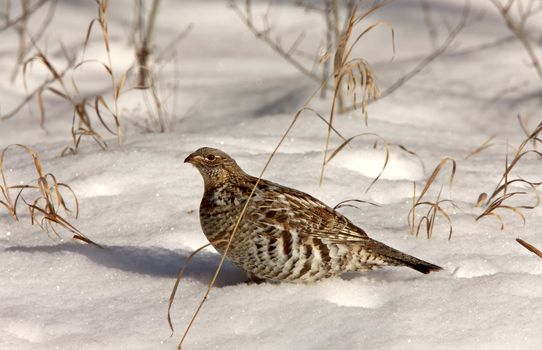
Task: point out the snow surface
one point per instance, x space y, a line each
141 201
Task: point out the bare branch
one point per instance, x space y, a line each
518 26
265 35
427 60
24 16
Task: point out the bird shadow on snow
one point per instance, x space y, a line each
151 261
166 263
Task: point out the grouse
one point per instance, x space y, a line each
285 234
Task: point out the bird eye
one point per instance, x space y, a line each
211 157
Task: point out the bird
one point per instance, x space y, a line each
285 235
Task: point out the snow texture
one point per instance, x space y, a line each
141 202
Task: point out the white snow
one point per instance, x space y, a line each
141 202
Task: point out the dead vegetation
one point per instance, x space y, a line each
18 21
358 77
87 110
435 207
529 247
151 60
356 74
94 114
266 33
506 190
517 14
48 201
336 15
485 145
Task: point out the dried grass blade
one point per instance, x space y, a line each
345 203
529 247
100 100
41 105
350 139
180 275
435 173
485 145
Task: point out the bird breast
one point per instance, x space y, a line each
219 211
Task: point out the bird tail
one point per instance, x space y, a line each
394 257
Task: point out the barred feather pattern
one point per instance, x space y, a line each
285 234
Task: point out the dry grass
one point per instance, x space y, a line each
87 110
180 275
358 76
427 60
500 198
436 207
150 61
485 145
348 203
144 32
346 142
335 28
529 247
96 115
44 198
355 72
117 84
524 124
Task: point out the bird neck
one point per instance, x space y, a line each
222 178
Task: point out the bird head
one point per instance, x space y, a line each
215 166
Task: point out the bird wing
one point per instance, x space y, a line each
275 209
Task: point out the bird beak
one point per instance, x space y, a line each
189 159
193 159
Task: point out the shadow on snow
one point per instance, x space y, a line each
152 261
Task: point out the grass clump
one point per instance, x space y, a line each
45 198
500 200
435 207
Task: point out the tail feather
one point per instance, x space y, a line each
394 257
422 266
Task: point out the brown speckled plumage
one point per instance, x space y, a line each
285 234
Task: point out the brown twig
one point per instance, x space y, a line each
24 16
429 24
518 24
265 35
